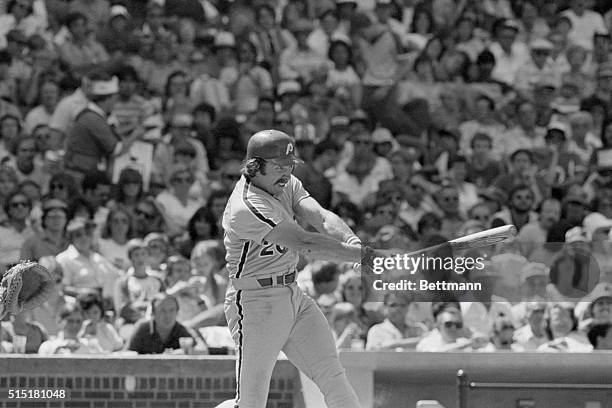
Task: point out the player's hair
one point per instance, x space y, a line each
252 166
598 330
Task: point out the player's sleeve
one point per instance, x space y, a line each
255 219
298 192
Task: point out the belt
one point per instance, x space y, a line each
286 279
257 283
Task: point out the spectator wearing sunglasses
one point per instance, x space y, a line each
450 334
178 206
148 218
52 240
15 230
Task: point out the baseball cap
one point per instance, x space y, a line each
224 39
341 37
54 203
119 10
510 23
289 87
272 145
576 198
382 135
575 234
541 44
358 115
101 88
533 269
593 222
79 223
155 236
339 121
560 126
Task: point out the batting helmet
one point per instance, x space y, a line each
272 145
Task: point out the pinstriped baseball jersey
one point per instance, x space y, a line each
251 213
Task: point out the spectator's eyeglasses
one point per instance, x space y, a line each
32 150
145 214
451 325
16 204
385 212
449 199
56 186
506 327
363 142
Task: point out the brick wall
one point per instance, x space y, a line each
137 382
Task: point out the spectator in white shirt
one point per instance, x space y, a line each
533 334
585 23
509 54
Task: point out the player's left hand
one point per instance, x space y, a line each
25 286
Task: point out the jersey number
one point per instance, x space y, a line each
268 249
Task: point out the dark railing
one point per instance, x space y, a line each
464 386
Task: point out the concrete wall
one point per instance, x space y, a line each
382 380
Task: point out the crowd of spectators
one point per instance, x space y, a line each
123 125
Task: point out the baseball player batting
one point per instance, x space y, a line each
265 310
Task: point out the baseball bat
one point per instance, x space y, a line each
477 240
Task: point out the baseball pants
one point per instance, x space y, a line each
265 321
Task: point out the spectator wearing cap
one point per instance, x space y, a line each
301 62
117 36
483 121
84 269
178 206
269 39
91 140
133 291
180 133
15 230
575 205
533 334
601 47
596 227
603 84
81 51
583 142
342 76
577 59
481 168
519 211
52 239
363 172
509 53
585 23
534 234
536 68
251 82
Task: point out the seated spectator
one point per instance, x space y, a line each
518 213
596 307
252 81
178 207
161 331
84 269
70 339
394 333
129 189
502 338
48 97
562 329
148 218
48 313
26 163
52 239
201 227
15 230
133 292
533 334
34 332
182 284
600 336
353 291
345 326
450 334
159 249
95 326
115 235
447 199
81 51
207 259
481 168
64 187
533 234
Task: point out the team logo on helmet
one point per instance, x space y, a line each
289 149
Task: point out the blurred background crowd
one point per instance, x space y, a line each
123 125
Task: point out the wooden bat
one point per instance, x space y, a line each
477 240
